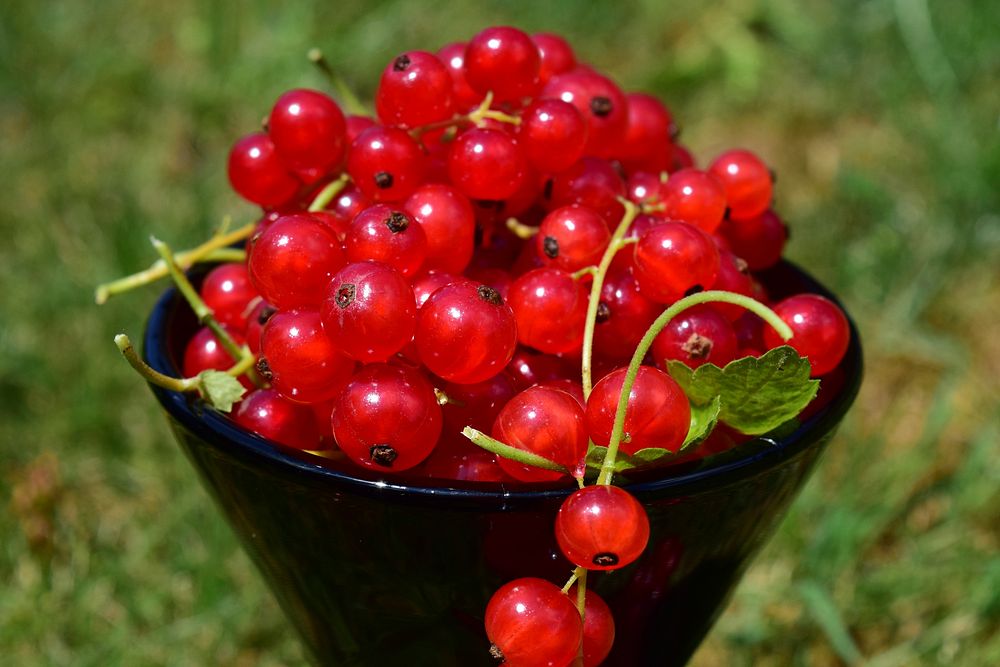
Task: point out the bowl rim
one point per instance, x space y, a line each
250 449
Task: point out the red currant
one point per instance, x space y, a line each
258 174
533 624
648 134
600 101
387 235
556 53
299 359
623 315
268 414
572 237
308 130
553 134
386 163
696 197
550 308
529 367
227 290
602 527
204 352
453 56
820 330
593 183
477 405
747 182
598 628
758 241
487 164
699 335
505 61
416 89
733 276
674 258
448 221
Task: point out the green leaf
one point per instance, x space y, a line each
219 389
757 395
703 420
642 457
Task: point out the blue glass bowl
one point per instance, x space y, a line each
382 571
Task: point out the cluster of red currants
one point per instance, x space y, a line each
432 269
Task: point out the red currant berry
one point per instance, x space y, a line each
204 352
258 317
459 462
529 367
747 183
498 279
733 276
547 422
623 315
389 236
453 56
600 101
695 197
465 333
553 134
336 224
682 159
448 221
505 61
308 130
674 258
550 308
356 125
369 311
749 330
648 133
228 292
532 623
557 55
593 183
267 414
386 163
415 90
258 174
429 282
602 527
645 187
387 418
657 413
487 164
349 203
299 359
477 405
820 331
292 261
598 628
572 237
758 241
699 335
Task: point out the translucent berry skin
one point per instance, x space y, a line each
699 335
503 60
486 164
308 130
572 237
259 316
529 367
449 224
623 316
820 331
593 183
465 333
415 89
258 174
673 258
696 197
387 418
204 352
227 290
533 624
657 414
386 164
468 463
601 102
299 359
267 414
733 276
648 133
598 628
369 311
747 183
557 55
453 57
388 235
477 405
292 261
644 187
550 308
553 134
429 282
547 422
758 241
602 527
338 225
349 203
355 125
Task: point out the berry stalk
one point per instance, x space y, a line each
326 195
500 449
617 243
351 101
214 249
239 353
716 296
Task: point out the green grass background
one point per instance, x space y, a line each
881 118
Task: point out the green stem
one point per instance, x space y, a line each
212 250
616 244
572 580
352 104
585 271
521 230
711 296
202 311
152 375
500 449
581 601
326 195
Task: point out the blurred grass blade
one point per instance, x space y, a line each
824 611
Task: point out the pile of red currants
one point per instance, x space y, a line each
490 258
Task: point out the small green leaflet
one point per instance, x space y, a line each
703 419
219 389
758 395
